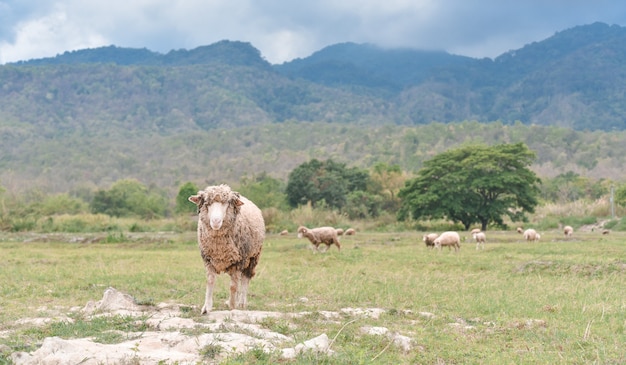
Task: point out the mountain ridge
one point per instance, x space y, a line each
219 112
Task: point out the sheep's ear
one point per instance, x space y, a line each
236 200
196 199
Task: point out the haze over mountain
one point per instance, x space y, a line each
104 108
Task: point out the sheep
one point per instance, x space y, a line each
339 231
429 239
480 239
567 231
450 239
284 232
474 231
317 236
349 232
520 230
605 231
231 231
531 235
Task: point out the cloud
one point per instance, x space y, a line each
285 29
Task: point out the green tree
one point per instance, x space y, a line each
620 195
61 204
388 179
328 182
474 184
129 197
265 191
183 205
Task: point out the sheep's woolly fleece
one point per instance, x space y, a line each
170 340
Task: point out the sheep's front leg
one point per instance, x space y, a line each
208 297
242 298
235 278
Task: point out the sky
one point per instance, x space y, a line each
286 29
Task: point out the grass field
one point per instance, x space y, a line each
559 301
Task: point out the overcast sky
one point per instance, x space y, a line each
286 29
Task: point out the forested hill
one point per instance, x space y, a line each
574 79
87 118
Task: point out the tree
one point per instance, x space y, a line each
129 197
327 181
265 191
388 180
183 205
620 195
474 184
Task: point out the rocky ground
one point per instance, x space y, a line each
171 339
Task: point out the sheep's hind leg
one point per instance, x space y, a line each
208 297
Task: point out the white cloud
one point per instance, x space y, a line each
46 37
285 29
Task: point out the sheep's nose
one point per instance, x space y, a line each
216 223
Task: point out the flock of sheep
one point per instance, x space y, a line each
452 239
231 231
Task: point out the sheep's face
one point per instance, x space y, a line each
213 205
216 213
301 231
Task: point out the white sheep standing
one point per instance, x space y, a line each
339 231
531 235
480 239
450 239
429 239
349 232
520 230
231 231
567 231
319 235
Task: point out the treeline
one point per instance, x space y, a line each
96 159
327 185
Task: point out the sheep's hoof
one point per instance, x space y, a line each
204 310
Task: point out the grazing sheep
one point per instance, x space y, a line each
317 236
531 235
567 231
349 232
450 239
339 231
480 239
231 231
520 230
429 239
605 231
284 232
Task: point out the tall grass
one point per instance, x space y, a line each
559 301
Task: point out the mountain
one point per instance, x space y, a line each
218 112
573 79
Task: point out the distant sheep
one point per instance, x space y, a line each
605 231
317 236
531 235
339 231
567 231
450 239
520 230
429 239
480 239
349 232
231 231
284 232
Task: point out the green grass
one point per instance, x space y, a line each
553 302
